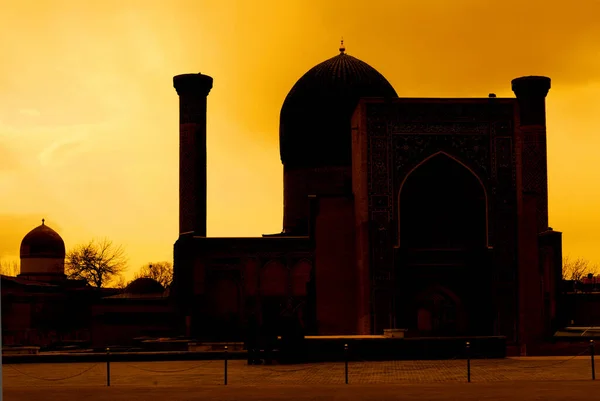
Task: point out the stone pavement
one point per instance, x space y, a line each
204 379
522 390
199 373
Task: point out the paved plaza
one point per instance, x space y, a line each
512 378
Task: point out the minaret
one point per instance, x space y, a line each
531 96
532 205
193 91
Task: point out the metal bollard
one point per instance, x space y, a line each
225 365
108 367
468 348
592 351
346 361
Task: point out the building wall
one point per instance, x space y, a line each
335 267
550 243
360 192
118 322
42 265
479 133
233 277
503 220
582 309
300 182
43 318
16 321
531 325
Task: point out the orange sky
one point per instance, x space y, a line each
89 118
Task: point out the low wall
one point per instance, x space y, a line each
20 350
379 348
120 357
316 349
582 308
562 347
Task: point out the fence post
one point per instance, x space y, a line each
225 365
592 351
468 349
108 367
346 361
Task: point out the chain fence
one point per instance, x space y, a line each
51 379
464 367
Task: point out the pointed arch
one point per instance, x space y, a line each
301 273
225 294
439 309
273 279
455 159
435 289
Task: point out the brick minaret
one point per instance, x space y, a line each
532 201
531 96
193 91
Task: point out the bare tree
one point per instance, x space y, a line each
577 269
160 271
99 263
9 267
120 282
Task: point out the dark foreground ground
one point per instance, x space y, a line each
549 391
543 378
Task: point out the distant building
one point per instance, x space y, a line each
142 309
42 307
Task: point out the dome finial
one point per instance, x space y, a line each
43 221
342 47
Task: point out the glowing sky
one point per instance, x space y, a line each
89 116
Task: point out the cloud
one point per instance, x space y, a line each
54 98
30 112
102 153
8 160
13 228
53 141
59 151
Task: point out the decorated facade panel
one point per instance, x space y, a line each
478 135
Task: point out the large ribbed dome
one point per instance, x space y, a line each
315 118
42 242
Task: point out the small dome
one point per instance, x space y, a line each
144 285
42 242
316 114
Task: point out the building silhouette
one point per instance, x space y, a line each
425 214
42 307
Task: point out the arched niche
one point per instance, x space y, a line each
440 312
442 205
225 297
301 277
273 280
